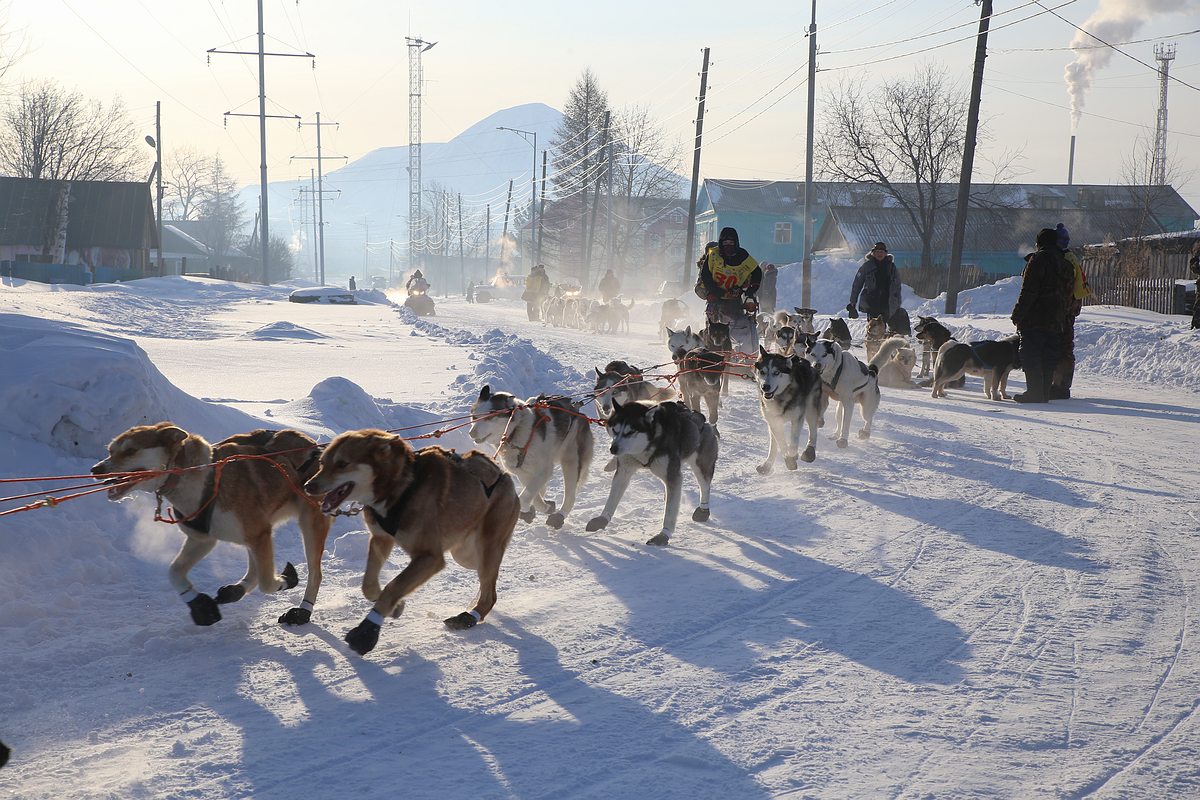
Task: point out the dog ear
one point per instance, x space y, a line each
616 404
670 332
174 434
599 374
762 351
485 392
687 331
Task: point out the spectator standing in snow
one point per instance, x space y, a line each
609 286
353 286
1064 372
537 288
767 292
1041 314
876 287
1194 266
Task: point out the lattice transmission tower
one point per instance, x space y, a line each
1164 54
416 79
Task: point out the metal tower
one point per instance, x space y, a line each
416 79
1163 54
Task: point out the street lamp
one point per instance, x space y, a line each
533 191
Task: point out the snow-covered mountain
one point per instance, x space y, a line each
478 163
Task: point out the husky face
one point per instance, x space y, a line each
619 380
774 372
682 342
631 426
359 466
143 448
825 354
489 416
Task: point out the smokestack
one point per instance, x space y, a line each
1071 163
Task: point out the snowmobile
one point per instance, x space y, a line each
419 301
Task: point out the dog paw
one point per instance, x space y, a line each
555 520
551 507
864 434
809 455
661 540
363 638
700 515
290 578
764 468
597 523
204 610
230 594
842 443
527 516
296 616
789 462
460 622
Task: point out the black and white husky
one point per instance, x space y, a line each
790 395
849 381
700 370
662 437
532 436
622 381
991 360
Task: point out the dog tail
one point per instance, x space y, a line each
586 445
888 349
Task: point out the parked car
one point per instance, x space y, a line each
331 295
501 287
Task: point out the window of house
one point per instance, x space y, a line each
677 218
783 233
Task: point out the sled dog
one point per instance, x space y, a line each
896 363
932 335
673 314
429 502
716 338
625 382
533 436
240 501
838 331
849 381
877 332
990 360
790 394
700 370
661 437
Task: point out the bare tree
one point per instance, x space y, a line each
578 162
186 176
905 137
281 259
49 132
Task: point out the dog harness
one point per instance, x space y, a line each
390 522
838 373
201 522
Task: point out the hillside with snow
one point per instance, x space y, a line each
981 600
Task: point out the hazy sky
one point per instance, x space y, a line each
495 55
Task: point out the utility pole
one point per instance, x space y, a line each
262 129
462 261
487 242
806 269
317 273
159 189
1164 54
504 237
968 160
542 209
391 263
416 80
595 203
320 189
691 231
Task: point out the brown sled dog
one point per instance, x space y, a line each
253 497
429 502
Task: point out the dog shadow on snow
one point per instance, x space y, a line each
714 613
521 724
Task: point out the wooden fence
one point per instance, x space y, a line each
1146 280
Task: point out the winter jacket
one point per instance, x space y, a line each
536 285
766 292
876 288
1047 286
609 287
724 278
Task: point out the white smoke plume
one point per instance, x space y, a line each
1114 21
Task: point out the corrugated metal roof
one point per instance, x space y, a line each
786 198
996 230
100 213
